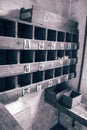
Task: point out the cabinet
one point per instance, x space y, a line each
34 57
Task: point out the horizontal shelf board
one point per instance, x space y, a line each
13 95
17 69
28 44
10 70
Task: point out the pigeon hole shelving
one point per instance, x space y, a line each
33 55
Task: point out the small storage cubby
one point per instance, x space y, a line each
49 74
75 38
38 76
40 55
40 33
61 36
11 82
2 84
3 57
25 79
7 28
58 71
25 31
68 53
51 55
12 57
74 54
72 68
51 35
60 53
65 70
26 56
68 37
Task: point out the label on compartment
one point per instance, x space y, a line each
27 44
41 45
26 68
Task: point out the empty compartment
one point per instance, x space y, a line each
58 72
68 37
3 57
25 79
7 28
68 53
61 36
26 56
12 57
38 76
51 35
74 53
51 55
49 74
54 93
60 53
72 69
40 33
71 99
25 31
2 84
75 38
40 56
65 70
11 82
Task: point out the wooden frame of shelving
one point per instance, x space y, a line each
31 54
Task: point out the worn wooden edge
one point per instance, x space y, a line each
7 121
14 94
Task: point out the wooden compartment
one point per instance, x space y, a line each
40 33
60 53
51 55
25 31
65 70
68 53
40 55
7 28
51 35
74 54
25 79
58 71
54 93
72 68
71 98
68 37
26 56
38 76
75 38
49 74
61 36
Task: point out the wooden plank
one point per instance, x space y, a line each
28 44
10 70
7 121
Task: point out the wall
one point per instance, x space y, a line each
78 13
41 115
